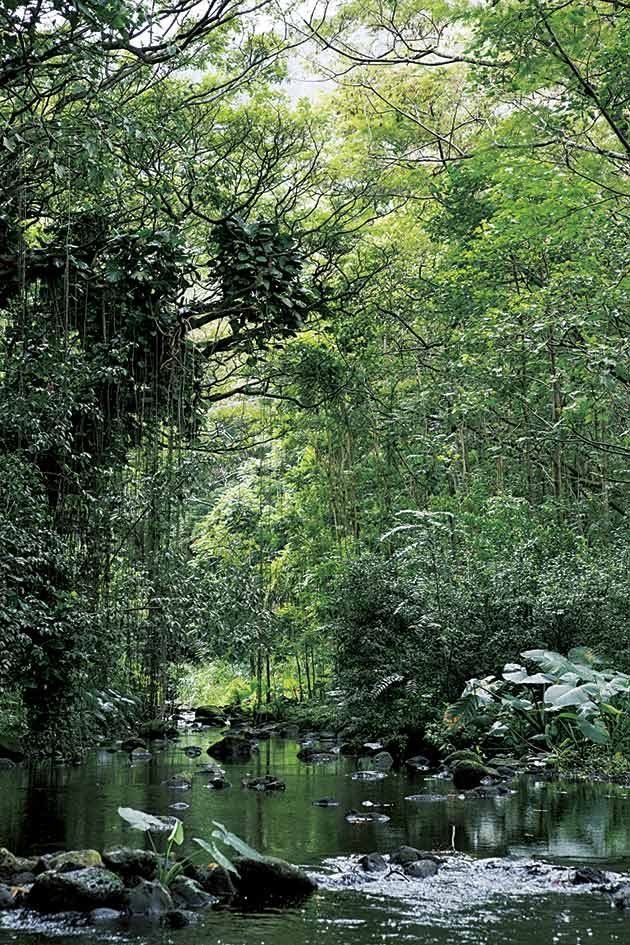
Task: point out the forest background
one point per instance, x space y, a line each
319 401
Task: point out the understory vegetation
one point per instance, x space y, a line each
315 405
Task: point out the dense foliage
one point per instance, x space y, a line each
301 397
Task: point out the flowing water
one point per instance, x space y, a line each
488 891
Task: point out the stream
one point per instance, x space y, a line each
506 859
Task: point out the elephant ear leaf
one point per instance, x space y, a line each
139 820
231 840
220 858
594 732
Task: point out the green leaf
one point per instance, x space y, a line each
177 833
222 833
140 820
218 857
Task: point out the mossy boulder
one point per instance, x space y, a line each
12 866
80 890
271 881
231 748
72 860
157 729
215 880
470 774
131 864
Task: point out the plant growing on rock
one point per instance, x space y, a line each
169 869
564 701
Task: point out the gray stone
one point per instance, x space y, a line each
149 898
189 894
373 863
7 900
383 761
421 869
104 916
131 863
82 890
402 856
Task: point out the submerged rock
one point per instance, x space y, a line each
358 817
192 751
149 898
7 763
368 776
265 783
326 802
81 890
178 919
178 782
271 881
231 748
130 863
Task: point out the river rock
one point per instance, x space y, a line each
129 863
421 869
231 748
621 896
130 744
373 863
11 748
587 874
271 881
314 756
404 856
6 763
326 802
150 898
157 729
189 894
210 715
12 866
81 890
104 916
178 918
368 776
470 774
418 763
265 783
213 879
382 761
140 754
7 899
70 861
178 782
192 751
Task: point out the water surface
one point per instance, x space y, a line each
472 900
